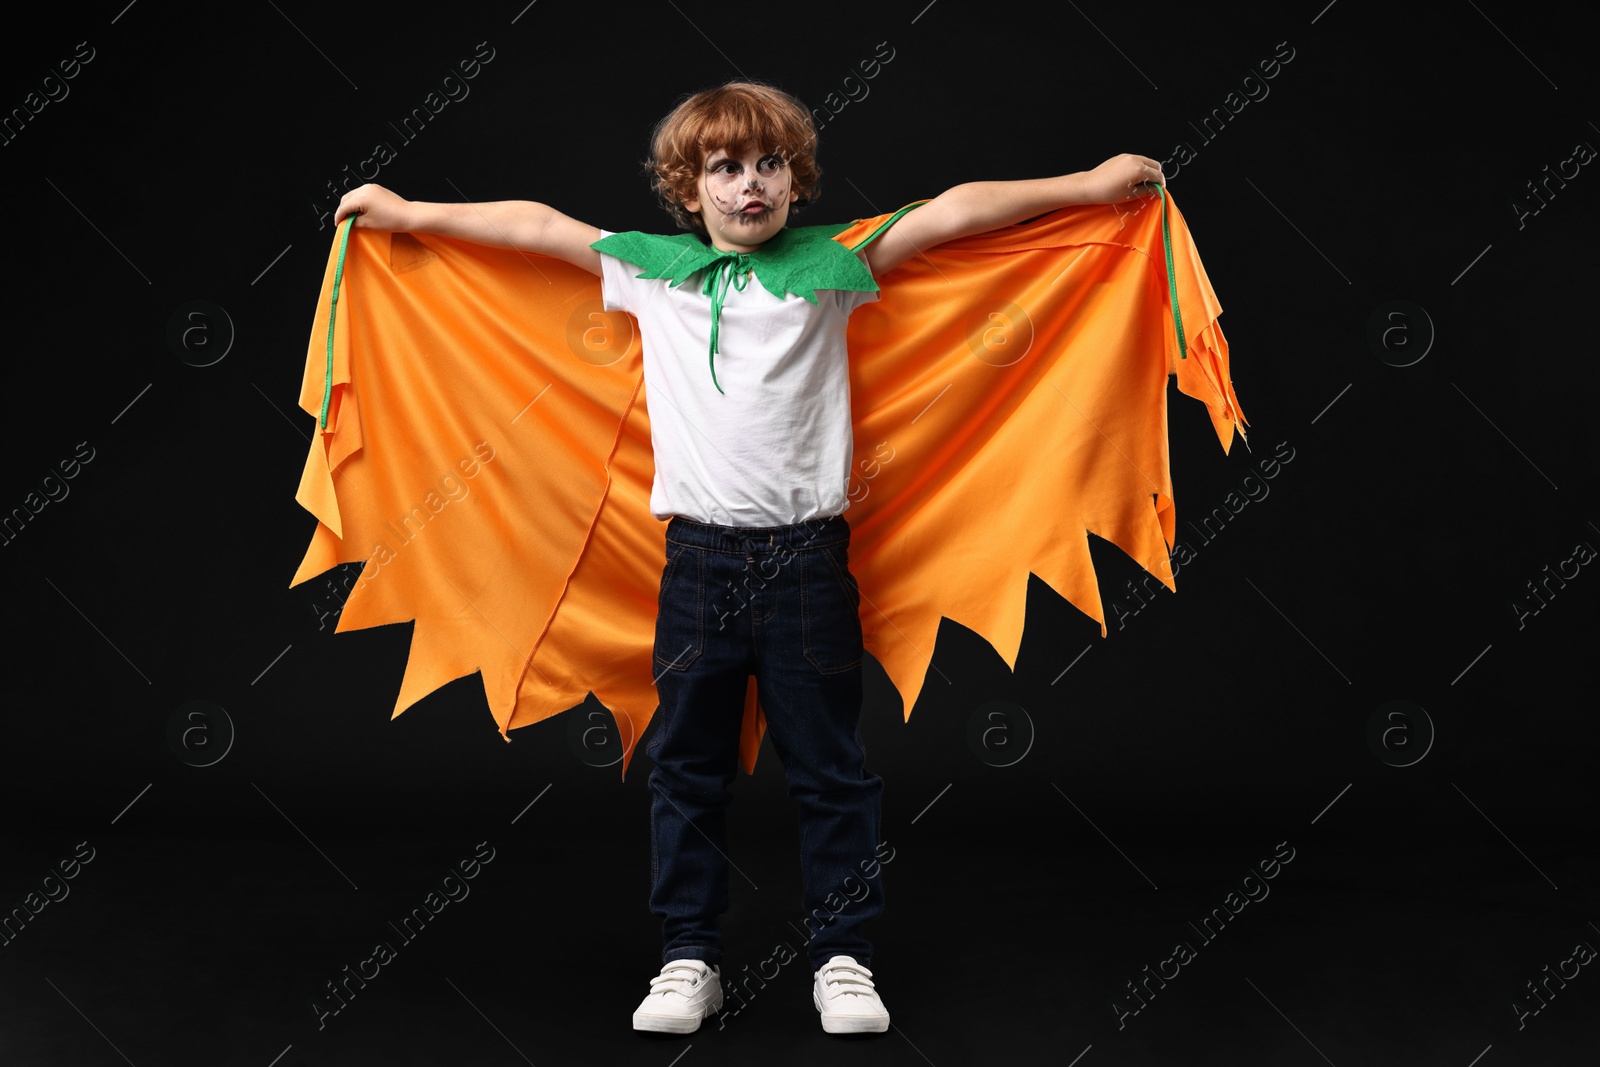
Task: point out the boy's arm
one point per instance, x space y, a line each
979 206
520 224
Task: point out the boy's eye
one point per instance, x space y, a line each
767 166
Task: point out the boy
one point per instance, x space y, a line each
753 456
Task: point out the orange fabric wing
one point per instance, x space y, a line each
487 453
1008 396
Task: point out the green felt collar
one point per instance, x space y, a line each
799 260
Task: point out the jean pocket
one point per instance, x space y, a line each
830 610
680 611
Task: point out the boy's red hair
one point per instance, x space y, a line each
740 117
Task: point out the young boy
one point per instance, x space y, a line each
753 452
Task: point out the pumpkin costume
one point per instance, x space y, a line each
484 446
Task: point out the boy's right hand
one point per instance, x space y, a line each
378 207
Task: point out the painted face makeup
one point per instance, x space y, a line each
743 198
748 189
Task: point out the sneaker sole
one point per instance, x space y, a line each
849 1024
674 1024
666 1024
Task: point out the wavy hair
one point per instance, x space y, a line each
740 117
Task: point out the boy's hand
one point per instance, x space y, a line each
1118 178
378 207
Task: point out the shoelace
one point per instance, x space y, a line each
848 974
682 980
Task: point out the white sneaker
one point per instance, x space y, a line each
842 991
685 992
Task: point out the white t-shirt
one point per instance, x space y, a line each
775 446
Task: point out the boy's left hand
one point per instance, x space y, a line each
1118 178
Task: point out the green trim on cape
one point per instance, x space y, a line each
884 227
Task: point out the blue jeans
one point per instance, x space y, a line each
777 602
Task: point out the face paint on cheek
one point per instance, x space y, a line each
729 190
727 201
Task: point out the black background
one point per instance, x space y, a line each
189 162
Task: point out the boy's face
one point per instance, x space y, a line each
743 199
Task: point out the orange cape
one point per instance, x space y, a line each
487 450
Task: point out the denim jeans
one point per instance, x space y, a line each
777 602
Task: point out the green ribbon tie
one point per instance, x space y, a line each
733 267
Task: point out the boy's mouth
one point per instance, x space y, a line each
754 207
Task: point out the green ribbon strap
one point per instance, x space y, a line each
1172 280
333 306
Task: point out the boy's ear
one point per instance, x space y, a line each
692 205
